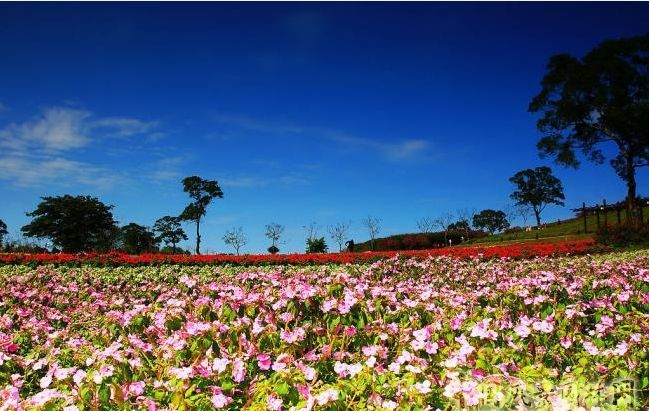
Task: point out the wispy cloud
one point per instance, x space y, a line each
39 151
248 181
399 150
167 169
24 171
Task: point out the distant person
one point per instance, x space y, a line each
350 246
559 222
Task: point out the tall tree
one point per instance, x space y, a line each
274 233
602 98
537 188
137 239
80 223
169 231
235 238
373 225
202 192
491 220
338 233
3 231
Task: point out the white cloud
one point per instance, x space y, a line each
37 151
58 129
29 172
124 127
167 169
251 181
62 128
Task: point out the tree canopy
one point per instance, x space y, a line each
537 188
137 239
491 220
3 231
316 245
202 192
75 224
600 99
169 231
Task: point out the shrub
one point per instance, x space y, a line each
623 235
273 249
316 245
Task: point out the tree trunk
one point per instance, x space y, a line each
198 237
173 248
537 214
631 189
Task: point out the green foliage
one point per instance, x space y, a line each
75 224
623 235
537 188
169 231
3 231
459 225
598 99
273 249
491 220
316 245
202 192
137 239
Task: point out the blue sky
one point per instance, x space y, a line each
325 112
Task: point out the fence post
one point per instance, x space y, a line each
605 214
597 214
583 212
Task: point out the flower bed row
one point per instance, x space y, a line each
413 334
113 259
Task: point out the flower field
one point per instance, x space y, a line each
484 251
434 332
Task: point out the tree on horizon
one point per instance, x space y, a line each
600 99
202 192
169 231
537 188
80 223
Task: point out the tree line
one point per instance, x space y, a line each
83 223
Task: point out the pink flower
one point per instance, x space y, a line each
136 388
46 381
327 396
219 400
309 373
423 387
238 370
264 361
522 330
274 403
591 348
182 373
220 364
566 342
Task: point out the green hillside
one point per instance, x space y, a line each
572 228
568 229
